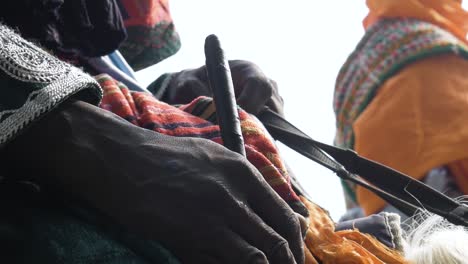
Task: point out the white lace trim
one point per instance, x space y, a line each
43 101
25 61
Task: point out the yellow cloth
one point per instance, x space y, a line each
417 121
348 246
447 14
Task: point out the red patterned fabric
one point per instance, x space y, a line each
151 34
196 120
145 13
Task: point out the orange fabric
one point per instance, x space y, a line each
447 14
417 121
309 258
459 170
372 245
350 247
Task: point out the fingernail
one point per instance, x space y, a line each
258 258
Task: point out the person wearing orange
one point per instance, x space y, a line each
401 98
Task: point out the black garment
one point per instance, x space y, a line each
70 27
38 227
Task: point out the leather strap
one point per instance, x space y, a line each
403 192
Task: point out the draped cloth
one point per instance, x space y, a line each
390 48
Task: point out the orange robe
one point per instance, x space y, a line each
417 121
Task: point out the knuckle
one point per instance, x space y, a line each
281 252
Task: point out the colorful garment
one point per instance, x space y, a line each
388 47
197 119
151 33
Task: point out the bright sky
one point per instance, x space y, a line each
299 43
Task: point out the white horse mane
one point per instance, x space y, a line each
433 240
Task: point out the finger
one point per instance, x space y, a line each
228 247
304 223
267 205
254 95
206 232
270 207
255 231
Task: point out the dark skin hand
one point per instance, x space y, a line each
202 201
254 90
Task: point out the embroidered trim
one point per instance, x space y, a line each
26 62
44 100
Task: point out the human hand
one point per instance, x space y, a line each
204 202
254 90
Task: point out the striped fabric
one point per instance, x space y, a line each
387 47
198 119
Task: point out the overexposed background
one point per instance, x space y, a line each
299 43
